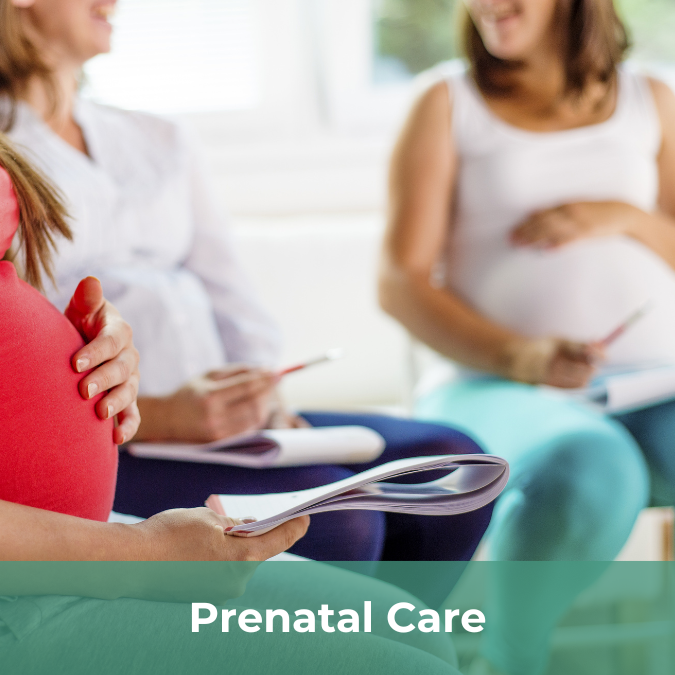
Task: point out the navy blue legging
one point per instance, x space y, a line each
145 487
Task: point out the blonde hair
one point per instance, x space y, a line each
19 62
42 216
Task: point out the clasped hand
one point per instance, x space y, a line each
109 357
555 227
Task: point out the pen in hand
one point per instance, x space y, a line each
330 355
623 327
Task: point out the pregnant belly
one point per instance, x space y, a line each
583 291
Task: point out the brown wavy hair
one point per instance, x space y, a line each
19 62
42 216
592 38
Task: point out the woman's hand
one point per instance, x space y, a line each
558 226
552 361
110 356
211 407
199 534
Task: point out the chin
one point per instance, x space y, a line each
508 50
99 45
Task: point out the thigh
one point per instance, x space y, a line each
403 437
508 418
147 486
133 637
315 583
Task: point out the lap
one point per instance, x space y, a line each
404 438
136 636
514 420
146 486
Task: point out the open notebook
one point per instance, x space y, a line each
474 481
621 392
277 447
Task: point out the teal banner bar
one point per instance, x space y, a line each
522 618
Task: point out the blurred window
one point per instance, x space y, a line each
413 35
652 29
173 56
273 64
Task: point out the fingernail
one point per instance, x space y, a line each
110 412
82 365
92 390
248 519
122 440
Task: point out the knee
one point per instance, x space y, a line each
585 492
600 474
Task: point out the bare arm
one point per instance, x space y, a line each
28 533
422 178
657 231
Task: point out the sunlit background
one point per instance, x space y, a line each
297 103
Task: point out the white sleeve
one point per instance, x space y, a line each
248 332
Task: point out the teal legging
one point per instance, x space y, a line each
578 481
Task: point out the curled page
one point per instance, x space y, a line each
473 482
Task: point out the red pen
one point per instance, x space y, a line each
622 328
330 355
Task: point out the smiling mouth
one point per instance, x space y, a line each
498 14
103 12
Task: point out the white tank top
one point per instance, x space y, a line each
585 289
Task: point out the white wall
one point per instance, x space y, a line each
308 216
317 273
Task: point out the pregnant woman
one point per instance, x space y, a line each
58 466
532 211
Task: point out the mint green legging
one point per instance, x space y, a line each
578 481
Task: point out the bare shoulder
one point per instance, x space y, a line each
428 127
664 98
434 102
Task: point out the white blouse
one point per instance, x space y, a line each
145 223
